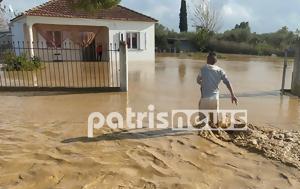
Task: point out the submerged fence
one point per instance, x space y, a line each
40 65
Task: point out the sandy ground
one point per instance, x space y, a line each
36 156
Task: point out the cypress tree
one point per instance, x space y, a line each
183 25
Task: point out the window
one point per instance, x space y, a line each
132 40
54 39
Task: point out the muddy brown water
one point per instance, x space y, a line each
257 81
43 140
169 84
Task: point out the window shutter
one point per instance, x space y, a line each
121 37
142 40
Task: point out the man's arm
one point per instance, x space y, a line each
229 87
199 79
233 97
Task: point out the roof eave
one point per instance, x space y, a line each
115 19
148 18
18 18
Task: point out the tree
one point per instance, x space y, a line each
94 5
242 25
297 33
161 37
206 21
206 17
183 25
240 33
6 13
3 23
3 20
202 38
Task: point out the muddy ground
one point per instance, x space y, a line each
277 144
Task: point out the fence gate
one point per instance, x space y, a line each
41 66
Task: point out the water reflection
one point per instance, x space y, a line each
43 107
182 72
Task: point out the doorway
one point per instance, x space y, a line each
89 52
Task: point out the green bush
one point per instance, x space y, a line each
266 49
231 47
9 59
20 63
36 62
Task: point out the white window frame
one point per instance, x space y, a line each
137 40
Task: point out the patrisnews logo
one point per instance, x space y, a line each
186 120
234 120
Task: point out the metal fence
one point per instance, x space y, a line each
67 66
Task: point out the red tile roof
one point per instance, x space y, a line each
63 8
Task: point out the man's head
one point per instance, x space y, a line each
212 58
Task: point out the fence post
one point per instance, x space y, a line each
296 71
123 67
284 71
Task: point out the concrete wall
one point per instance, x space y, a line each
146 30
296 72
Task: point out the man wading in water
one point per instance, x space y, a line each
209 78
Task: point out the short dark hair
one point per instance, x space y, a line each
212 53
212 57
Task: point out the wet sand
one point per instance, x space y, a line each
53 156
43 140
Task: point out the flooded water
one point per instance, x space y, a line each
44 145
256 81
170 84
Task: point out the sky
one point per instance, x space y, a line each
263 15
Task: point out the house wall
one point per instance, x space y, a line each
17 30
145 52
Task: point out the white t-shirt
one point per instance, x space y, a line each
210 76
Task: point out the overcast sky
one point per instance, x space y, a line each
263 15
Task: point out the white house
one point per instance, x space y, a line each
57 24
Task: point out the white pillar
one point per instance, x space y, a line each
123 67
30 35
